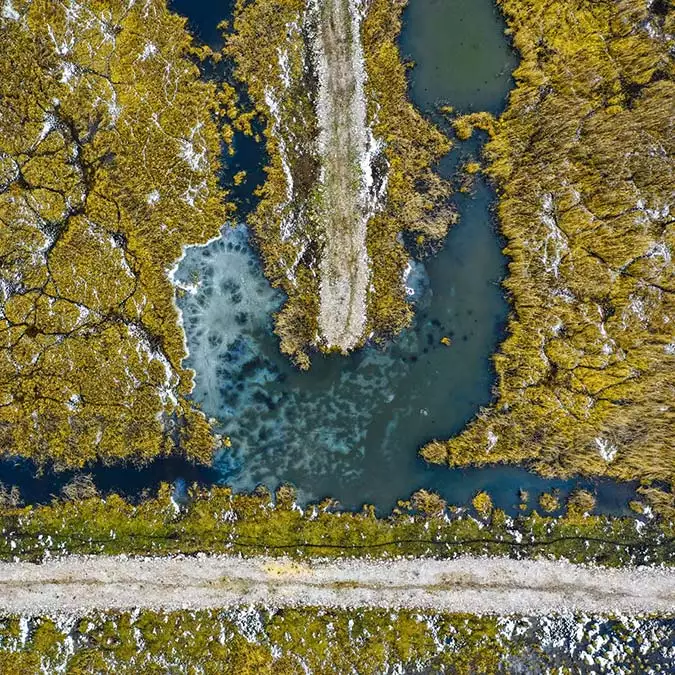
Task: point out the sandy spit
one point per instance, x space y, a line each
466 584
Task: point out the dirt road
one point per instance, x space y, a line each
467 584
344 149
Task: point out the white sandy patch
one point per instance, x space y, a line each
347 147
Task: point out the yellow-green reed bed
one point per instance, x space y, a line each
109 151
582 160
218 521
248 640
326 641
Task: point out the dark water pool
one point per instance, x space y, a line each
461 54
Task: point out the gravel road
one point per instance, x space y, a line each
344 148
467 584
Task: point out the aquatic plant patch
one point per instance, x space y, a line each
583 162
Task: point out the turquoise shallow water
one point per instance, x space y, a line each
351 426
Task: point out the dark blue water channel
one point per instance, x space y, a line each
351 427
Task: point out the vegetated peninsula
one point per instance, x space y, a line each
583 161
350 166
109 151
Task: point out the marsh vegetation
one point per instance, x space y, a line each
325 641
109 146
220 521
582 159
109 160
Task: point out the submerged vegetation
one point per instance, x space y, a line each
281 51
109 147
220 521
582 159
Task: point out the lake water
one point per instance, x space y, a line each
350 428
